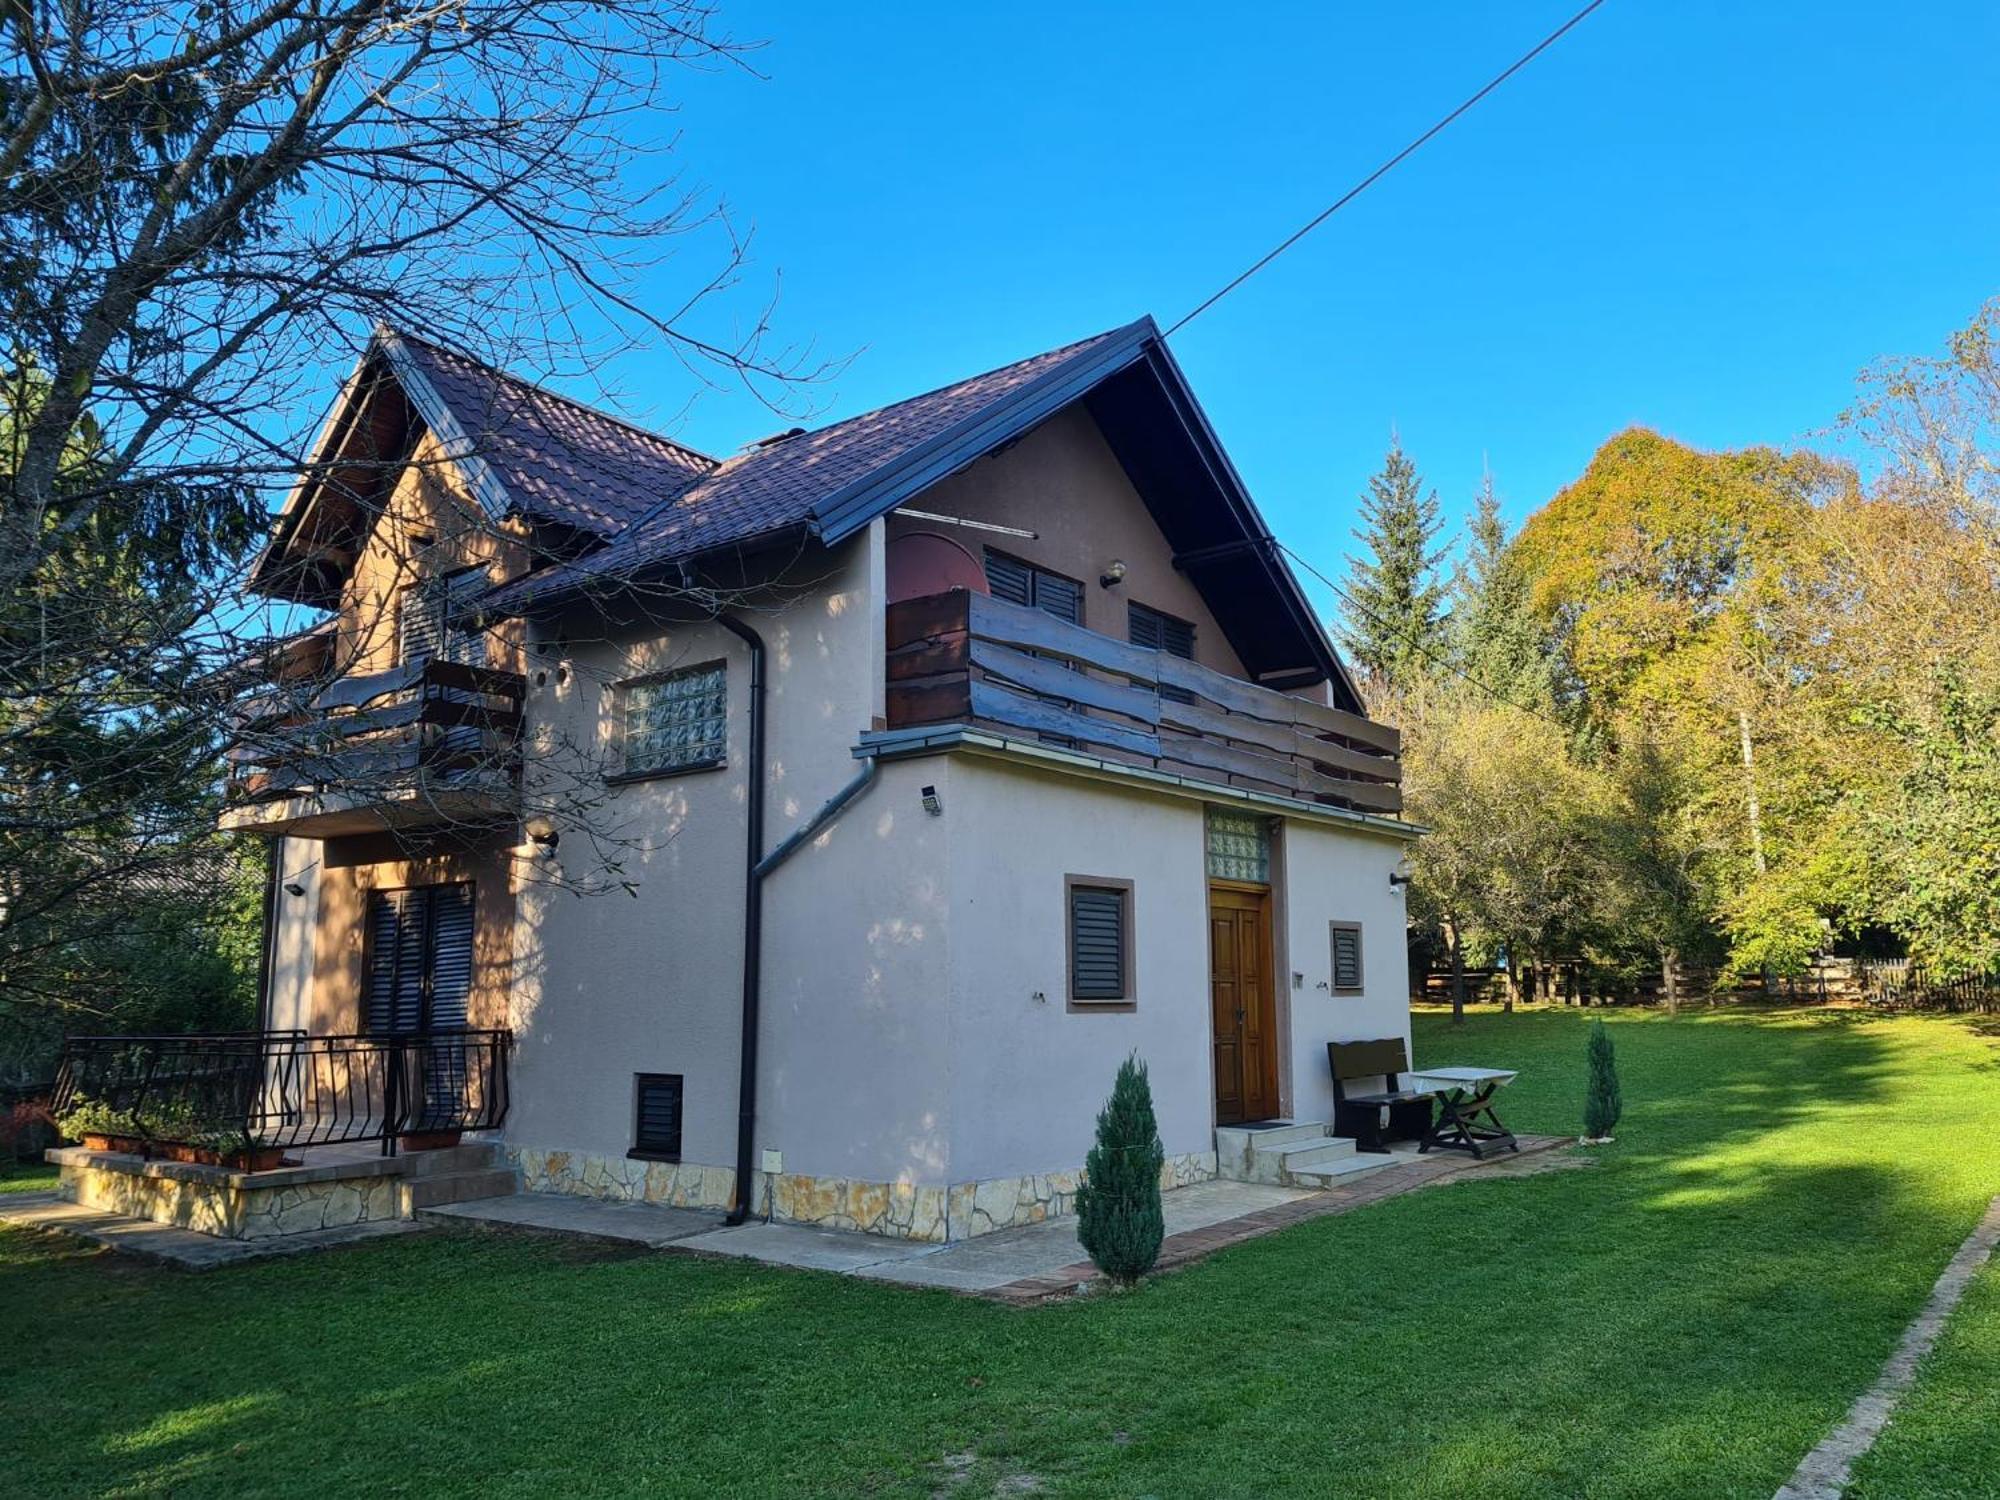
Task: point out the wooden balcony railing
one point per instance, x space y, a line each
387 731
965 658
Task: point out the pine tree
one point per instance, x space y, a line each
1119 1218
1601 1104
1495 637
1395 610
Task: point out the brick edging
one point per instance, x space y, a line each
1191 1245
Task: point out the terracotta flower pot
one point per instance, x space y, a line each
130 1145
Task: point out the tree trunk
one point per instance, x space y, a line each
1670 976
1457 977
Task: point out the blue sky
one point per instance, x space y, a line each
1703 217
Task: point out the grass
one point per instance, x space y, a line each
26 1177
1686 1318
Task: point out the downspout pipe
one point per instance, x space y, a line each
753 919
758 865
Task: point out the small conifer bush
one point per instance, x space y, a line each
1601 1104
1119 1218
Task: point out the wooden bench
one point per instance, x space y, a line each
1360 1115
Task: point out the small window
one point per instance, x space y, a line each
675 722
1347 958
1034 588
1100 941
1158 631
656 1129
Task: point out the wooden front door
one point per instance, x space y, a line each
1242 1003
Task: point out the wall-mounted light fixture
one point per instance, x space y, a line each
932 804
293 888
1397 879
1113 575
542 832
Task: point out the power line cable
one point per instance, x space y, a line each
1388 166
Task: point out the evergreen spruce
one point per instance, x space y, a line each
1496 638
1601 1105
1394 615
1119 1218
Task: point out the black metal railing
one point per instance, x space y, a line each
253 1094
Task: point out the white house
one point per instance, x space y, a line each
837 815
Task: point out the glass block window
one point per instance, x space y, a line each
675 721
1239 846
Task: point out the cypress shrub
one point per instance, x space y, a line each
1119 1218
1601 1104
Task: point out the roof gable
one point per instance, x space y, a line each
521 450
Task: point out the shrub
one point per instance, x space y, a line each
1119 1218
1601 1104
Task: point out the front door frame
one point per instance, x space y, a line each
1261 1098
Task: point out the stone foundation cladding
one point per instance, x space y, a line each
218 1201
900 1210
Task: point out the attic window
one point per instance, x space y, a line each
1158 631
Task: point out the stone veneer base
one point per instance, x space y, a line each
223 1202
899 1210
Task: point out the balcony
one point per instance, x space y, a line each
973 661
433 742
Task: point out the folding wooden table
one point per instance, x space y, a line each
1465 1119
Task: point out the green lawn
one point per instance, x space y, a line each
1685 1318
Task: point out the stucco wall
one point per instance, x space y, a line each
649 980
1330 875
293 942
1063 482
427 500
1029 1073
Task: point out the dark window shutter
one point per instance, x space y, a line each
419 958
1010 580
1156 631
1347 958
1061 597
451 956
1028 586
420 611
1097 918
657 1129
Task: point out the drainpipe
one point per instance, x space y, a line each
753 921
758 865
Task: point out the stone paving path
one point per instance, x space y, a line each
1015 1266
183 1249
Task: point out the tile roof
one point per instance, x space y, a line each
558 460
782 485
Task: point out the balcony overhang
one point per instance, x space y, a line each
964 739
336 814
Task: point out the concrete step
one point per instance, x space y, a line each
475 1156
1309 1156
1241 1155
435 1190
1346 1169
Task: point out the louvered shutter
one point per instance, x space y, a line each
1030 587
1061 597
1010 580
385 912
1347 958
420 623
419 958
451 956
657 1130
1097 918
1150 628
